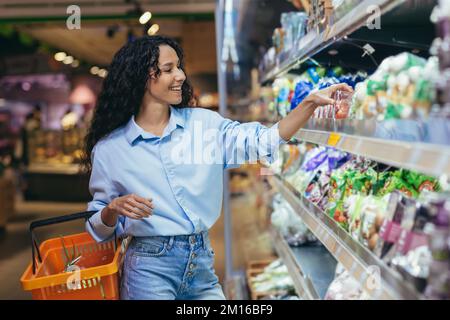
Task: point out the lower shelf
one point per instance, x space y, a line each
376 278
318 264
311 267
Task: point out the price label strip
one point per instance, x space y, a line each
333 139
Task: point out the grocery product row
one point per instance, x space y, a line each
368 214
401 105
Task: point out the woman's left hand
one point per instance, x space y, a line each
296 119
324 97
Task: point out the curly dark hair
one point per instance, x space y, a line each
124 87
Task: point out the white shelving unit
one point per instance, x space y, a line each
420 145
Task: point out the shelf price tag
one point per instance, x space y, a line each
333 139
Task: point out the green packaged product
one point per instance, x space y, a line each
393 111
380 181
395 182
420 181
339 214
373 86
364 180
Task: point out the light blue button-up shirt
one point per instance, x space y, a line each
182 171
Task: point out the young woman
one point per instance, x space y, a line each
157 169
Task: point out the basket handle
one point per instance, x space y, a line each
50 221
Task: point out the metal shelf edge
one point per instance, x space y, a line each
408 155
295 271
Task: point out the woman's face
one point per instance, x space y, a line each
166 88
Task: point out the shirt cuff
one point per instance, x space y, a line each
276 130
98 230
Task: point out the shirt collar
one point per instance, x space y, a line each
133 131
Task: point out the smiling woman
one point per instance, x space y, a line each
140 189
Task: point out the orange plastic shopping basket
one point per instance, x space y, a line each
74 266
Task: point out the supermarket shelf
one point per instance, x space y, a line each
423 146
317 265
375 277
314 42
317 262
302 283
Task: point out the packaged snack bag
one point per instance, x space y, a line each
355 203
339 212
420 182
439 234
343 101
393 231
372 212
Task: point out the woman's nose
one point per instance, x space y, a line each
180 76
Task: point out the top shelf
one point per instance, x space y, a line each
314 42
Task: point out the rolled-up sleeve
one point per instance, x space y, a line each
103 192
248 142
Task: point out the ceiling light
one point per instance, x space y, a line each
146 16
333 52
75 63
94 70
68 60
60 56
153 29
102 73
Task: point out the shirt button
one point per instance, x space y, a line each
193 256
191 266
192 240
190 274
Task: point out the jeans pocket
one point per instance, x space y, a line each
150 248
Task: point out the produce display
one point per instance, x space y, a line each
276 281
403 87
345 287
393 212
289 224
401 216
441 48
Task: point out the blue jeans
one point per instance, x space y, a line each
170 267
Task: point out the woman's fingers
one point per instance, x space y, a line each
146 202
130 214
342 86
145 209
134 208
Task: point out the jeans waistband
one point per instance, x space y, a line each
192 239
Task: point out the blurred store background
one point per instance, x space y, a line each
51 72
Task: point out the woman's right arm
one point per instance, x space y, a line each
109 205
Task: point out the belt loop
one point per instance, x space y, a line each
171 239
